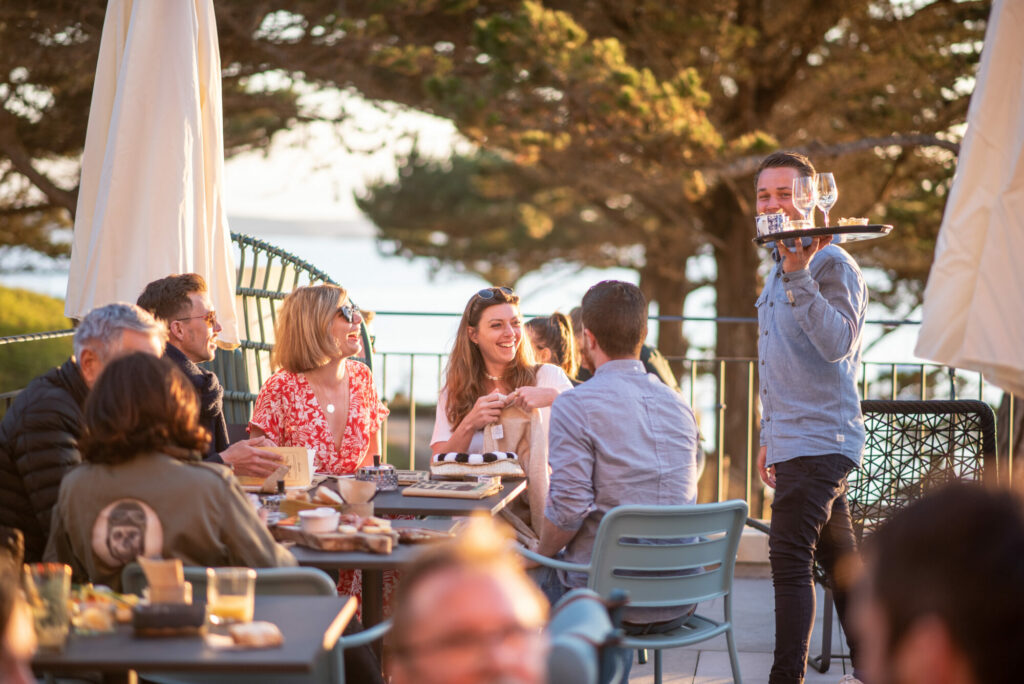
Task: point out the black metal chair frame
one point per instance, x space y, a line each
912 447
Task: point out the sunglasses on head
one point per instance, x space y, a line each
491 292
349 311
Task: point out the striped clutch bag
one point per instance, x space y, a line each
503 463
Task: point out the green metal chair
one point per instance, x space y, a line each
664 556
269 581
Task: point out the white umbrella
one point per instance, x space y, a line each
974 302
151 197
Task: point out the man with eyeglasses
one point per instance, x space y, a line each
466 613
183 303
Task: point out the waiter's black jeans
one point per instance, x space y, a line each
810 520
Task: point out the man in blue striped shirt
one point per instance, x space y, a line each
810 321
622 437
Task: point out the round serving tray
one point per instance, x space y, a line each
848 233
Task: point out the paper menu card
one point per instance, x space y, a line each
300 468
454 490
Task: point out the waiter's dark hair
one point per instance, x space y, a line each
785 160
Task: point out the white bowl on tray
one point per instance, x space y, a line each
319 520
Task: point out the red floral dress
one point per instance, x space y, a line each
288 413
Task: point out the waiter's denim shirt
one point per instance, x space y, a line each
810 327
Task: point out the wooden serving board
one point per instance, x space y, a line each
335 541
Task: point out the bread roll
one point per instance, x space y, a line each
256 634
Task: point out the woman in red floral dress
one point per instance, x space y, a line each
321 398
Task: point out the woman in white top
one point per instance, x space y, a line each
491 366
490 369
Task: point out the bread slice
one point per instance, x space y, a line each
328 496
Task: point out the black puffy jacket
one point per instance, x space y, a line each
38 445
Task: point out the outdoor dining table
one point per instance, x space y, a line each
373 565
311 626
395 503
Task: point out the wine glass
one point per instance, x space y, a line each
805 195
828 193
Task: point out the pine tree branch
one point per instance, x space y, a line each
747 165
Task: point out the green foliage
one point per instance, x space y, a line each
642 112
27 312
484 215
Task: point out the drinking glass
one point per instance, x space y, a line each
828 193
49 587
230 594
805 195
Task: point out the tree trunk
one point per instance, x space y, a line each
736 288
663 280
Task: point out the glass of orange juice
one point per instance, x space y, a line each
230 594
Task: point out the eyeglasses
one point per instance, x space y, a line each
350 311
461 645
210 317
491 292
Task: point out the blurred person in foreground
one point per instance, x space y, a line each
468 614
553 342
183 303
40 433
493 384
17 635
144 489
810 318
942 598
620 438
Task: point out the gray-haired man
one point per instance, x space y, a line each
39 434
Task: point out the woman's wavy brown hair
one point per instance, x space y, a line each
464 377
554 332
142 403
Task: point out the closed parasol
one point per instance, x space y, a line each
151 197
974 302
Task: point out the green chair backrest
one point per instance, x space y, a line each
668 555
269 581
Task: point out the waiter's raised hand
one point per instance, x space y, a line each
798 257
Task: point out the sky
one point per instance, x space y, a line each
308 174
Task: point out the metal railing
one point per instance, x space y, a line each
703 382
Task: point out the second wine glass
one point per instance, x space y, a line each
805 195
828 193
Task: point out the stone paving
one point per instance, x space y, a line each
708 662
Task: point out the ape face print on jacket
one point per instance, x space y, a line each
125 530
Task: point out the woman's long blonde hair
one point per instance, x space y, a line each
464 377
